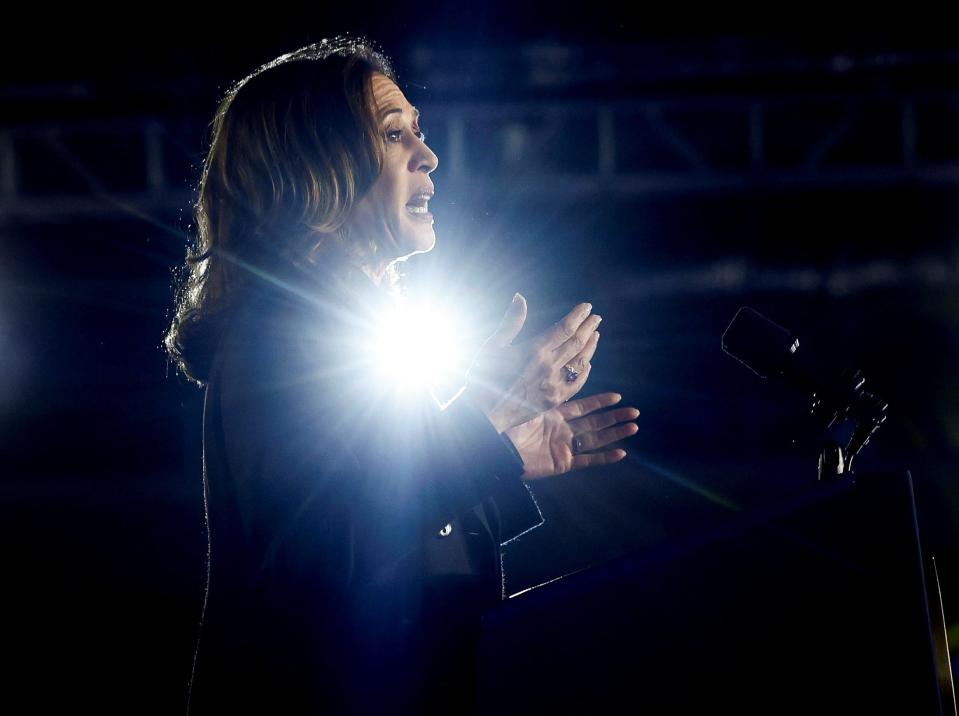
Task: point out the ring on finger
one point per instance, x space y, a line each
577 445
571 373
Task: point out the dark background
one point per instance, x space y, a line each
668 174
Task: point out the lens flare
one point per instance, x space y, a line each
417 345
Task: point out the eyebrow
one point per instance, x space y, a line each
384 113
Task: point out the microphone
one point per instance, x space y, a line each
849 414
764 347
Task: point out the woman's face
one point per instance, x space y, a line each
395 211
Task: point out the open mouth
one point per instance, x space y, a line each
419 205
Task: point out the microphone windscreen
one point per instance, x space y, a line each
765 347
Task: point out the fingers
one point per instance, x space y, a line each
581 346
583 406
598 458
577 385
512 322
595 423
581 364
597 430
566 328
602 438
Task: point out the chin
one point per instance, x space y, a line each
421 244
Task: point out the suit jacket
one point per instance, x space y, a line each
354 535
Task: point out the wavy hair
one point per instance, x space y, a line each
293 146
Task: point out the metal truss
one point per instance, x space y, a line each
548 149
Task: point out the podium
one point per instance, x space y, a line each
816 606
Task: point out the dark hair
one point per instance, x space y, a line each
293 146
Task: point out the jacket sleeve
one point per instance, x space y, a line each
517 511
339 478
440 463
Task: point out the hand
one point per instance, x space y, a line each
513 382
546 442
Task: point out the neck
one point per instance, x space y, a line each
376 272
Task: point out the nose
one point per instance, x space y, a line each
424 160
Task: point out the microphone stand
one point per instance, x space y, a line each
850 416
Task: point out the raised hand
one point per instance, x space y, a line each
513 382
572 435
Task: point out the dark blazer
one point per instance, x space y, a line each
354 535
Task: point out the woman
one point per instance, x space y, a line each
354 533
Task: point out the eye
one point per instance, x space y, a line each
395 136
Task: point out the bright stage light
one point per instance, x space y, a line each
417 345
